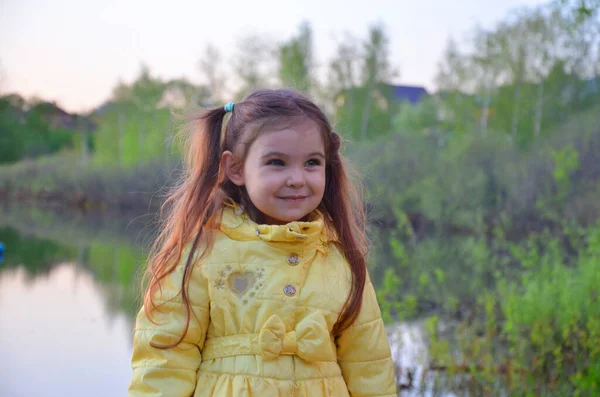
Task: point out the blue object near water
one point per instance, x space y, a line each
1 252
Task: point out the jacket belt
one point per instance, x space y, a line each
310 341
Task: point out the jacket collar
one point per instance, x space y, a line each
236 224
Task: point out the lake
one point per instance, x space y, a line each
68 296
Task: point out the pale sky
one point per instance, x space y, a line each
75 51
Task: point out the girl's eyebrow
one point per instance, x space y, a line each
273 154
280 154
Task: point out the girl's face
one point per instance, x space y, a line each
284 172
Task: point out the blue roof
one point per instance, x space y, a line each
409 93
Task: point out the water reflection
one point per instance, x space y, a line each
58 338
68 296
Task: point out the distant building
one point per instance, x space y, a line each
385 95
370 110
410 93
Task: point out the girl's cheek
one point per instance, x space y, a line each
317 178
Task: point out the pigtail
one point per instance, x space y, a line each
189 208
343 202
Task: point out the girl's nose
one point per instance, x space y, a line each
295 178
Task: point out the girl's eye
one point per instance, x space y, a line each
275 162
313 162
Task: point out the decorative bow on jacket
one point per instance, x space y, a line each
310 340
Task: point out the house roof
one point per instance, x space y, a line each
409 93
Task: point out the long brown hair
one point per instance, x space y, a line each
190 210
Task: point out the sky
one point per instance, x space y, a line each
74 52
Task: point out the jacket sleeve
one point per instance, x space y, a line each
364 354
172 371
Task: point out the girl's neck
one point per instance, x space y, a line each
256 216
259 218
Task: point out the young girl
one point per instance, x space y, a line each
258 286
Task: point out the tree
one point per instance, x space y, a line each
32 128
507 82
211 67
512 41
343 77
453 81
181 94
420 118
375 70
12 143
359 78
581 9
145 93
486 62
296 60
251 65
134 124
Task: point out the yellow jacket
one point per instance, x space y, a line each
264 301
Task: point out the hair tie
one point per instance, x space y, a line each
229 107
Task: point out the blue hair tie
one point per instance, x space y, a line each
229 107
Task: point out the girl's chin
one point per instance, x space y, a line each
282 219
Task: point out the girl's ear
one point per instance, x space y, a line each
233 168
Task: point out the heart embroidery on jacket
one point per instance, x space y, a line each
241 282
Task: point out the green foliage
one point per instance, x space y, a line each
362 99
295 60
551 314
129 137
388 295
469 241
60 180
136 127
514 82
31 130
535 329
419 118
582 9
566 162
372 106
35 254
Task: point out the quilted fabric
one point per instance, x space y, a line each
264 300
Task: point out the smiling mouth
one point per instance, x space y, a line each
293 198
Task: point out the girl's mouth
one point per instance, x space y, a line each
293 198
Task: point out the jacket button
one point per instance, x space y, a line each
293 259
289 290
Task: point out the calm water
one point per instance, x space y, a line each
68 297
59 337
